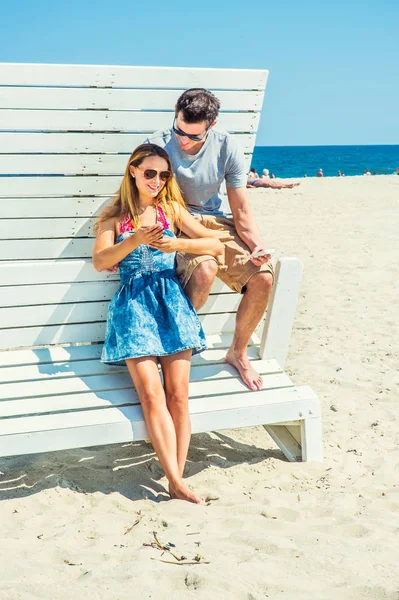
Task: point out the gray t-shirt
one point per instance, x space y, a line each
200 176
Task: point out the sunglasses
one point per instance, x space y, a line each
151 173
194 138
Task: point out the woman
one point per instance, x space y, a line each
150 318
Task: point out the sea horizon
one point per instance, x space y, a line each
305 160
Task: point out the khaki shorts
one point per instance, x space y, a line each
235 268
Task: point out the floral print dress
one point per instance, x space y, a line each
149 315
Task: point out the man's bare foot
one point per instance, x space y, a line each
250 377
182 492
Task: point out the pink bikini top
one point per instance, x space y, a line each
127 225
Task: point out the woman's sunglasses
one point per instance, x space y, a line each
151 173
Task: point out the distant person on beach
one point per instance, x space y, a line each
266 182
253 173
204 157
366 172
319 173
272 176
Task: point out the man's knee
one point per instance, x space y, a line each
261 282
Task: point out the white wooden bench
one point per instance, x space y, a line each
66 132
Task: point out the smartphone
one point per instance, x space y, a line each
262 253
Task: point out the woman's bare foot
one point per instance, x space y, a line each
250 377
179 491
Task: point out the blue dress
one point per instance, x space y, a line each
149 315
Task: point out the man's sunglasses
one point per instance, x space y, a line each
151 173
194 138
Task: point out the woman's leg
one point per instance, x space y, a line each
176 372
159 423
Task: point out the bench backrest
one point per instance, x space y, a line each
66 132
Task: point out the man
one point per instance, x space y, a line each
204 157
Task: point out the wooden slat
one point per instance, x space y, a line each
229 383
75 143
119 425
23 273
217 344
104 120
53 187
90 332
93 366
13 208
87 311
60 293
65 271
68 164
133 77
56 293
46 249
46 228
114 99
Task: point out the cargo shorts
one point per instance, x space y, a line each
235 268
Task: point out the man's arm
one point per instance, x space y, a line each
244 221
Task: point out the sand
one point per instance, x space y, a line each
270 529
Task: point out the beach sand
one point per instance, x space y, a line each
270 529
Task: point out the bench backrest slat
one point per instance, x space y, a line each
66 132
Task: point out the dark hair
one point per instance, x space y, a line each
198 104
252 170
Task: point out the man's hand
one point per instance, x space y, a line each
261 260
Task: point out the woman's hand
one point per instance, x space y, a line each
148 235
167 244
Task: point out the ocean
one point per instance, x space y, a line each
297 161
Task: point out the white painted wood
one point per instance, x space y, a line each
75 143
119 425
312 435
13 208
15 337
281 312
46 228
104 120
68 164
87 311
60 293
46 248
89 332
52 388
53 271
52 314
115 99
217 345
133 77
285 441
210 359
46 271
55 186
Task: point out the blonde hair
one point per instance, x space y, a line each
126 199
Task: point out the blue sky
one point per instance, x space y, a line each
333 65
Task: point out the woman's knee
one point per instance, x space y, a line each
152 400
177 400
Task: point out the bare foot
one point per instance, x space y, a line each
180 491
250 377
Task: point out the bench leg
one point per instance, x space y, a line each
300 440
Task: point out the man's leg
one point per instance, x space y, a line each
249 314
